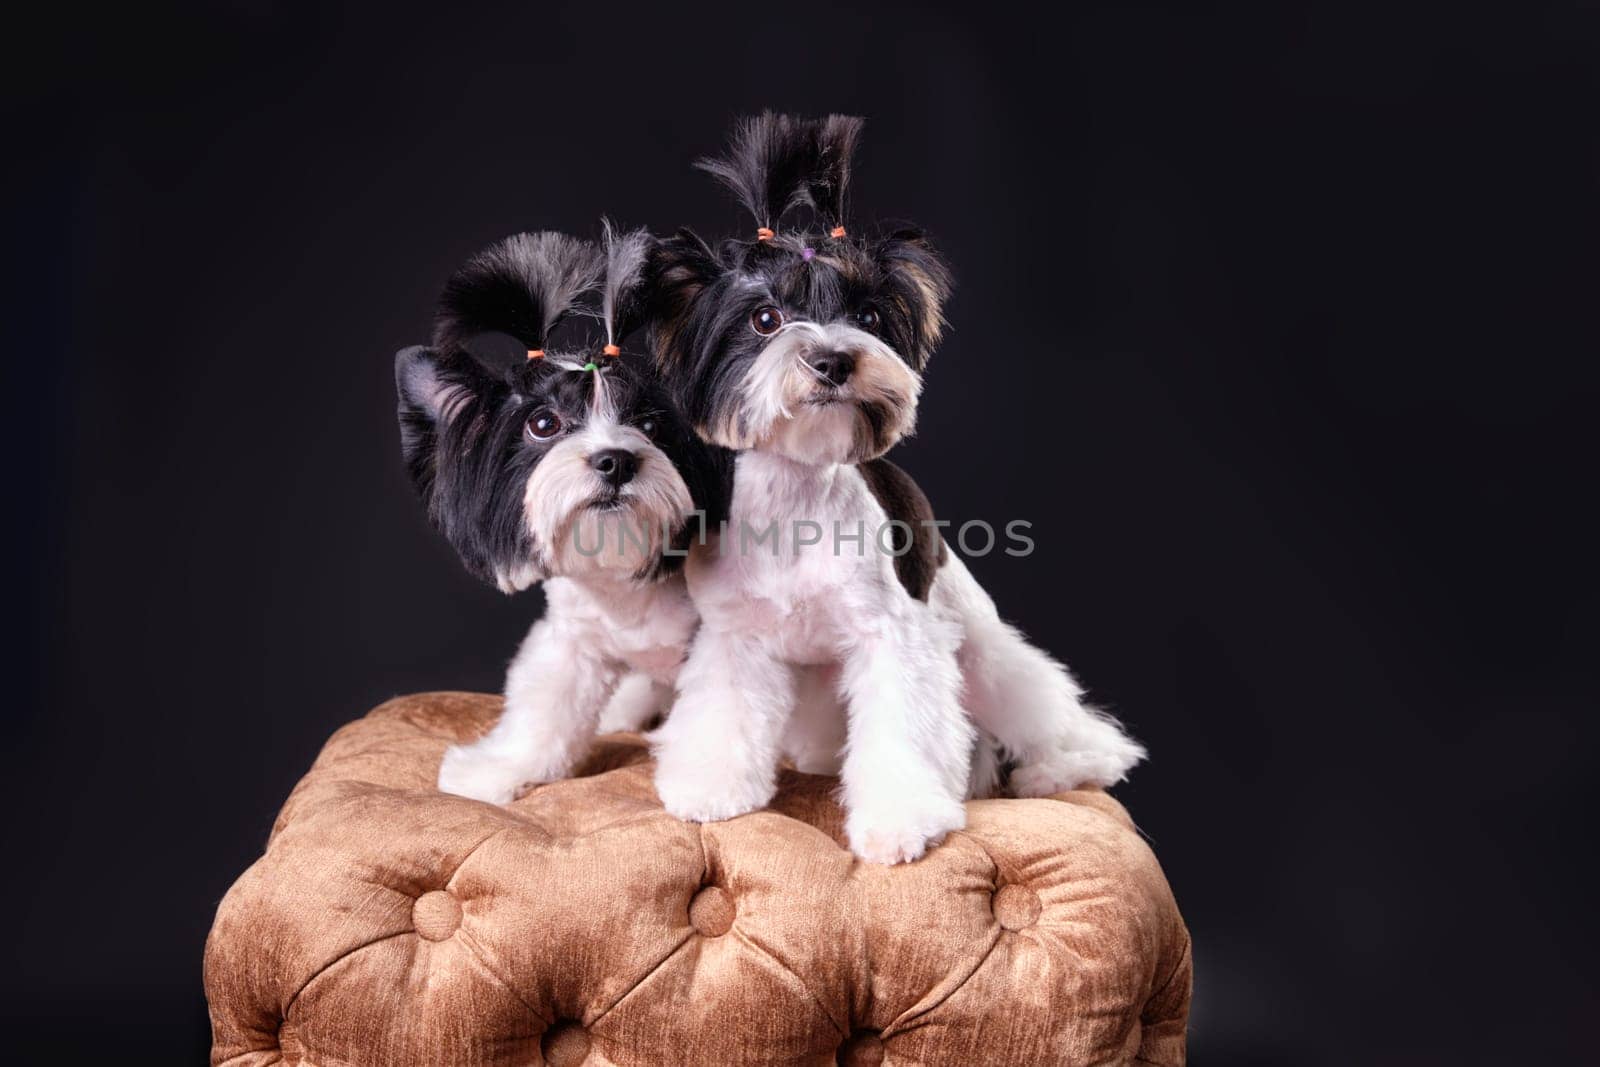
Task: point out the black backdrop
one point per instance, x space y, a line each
1274 322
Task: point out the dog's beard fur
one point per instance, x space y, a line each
786 407
582 528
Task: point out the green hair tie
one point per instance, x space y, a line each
590 366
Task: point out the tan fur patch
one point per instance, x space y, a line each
681 284
933 320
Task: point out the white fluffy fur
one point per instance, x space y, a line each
594 630
777 626
778 413
1027 701
600 622
578 539
789 631
908 744
637 701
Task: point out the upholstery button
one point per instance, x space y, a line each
566 1044
711 911
436 915
1016 906
863 1049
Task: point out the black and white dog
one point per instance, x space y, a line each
804 352
570 468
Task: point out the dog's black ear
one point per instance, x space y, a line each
433 390
435 385
917 281
679 270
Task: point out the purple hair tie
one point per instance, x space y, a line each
807 253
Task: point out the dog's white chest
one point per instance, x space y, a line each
792 562
646 627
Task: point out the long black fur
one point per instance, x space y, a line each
918 549
462 423
836 138
522 286
769 166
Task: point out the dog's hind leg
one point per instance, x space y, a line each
1026 700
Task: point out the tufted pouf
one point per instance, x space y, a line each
391 924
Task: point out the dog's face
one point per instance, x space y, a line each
810 348
550 469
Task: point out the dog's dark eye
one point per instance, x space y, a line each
766 320
867 318
647 427
543 425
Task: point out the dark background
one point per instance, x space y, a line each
1277 323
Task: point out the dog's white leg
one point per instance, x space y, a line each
555 689
1027 700
1034 707
908 758
717 753
635 704
815 737
985 778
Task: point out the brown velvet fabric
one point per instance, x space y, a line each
390 924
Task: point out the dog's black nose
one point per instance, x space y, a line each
616 465
834 366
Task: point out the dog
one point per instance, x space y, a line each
803 353
571 468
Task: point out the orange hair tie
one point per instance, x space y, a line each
612 350
838 231
535 353
763 234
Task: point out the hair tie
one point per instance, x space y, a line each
837 232
535 353
612 350
591 366
763 233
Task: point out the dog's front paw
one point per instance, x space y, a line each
902 833
709 797
481 773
